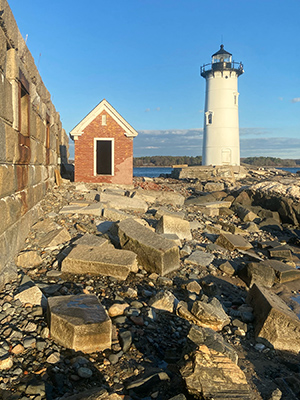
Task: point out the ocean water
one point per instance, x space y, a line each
154 172
293 170
151 172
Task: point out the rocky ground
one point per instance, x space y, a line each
155 349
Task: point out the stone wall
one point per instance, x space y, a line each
31 140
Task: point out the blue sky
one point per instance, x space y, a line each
143 56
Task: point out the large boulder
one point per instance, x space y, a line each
154 252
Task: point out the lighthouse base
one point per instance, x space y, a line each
204 173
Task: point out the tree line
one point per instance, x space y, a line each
269 162
165 161
168 161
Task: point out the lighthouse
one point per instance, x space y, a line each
221 144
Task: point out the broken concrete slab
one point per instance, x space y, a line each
217 204
276 325
54 238
174 225
166 197
100 260
260 273
212 340
79 322
72 209
46 225
227 268
28 259
92 209
284 272
173 237
214 186
282 252
92 241
164 301
123 202
212 375
29 293
114 215
210 314
154 253
199 200
160 211
200 257
160 197
232 242
245 214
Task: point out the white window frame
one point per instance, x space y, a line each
209 114
104 119
112 156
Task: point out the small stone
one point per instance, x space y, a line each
227 268
125 340
30 327
131 292
193 287
117 309
6 363
53 273
45 333
259 347
18 349
84 372
29 342
54 358
113 358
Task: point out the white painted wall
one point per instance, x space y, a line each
221 145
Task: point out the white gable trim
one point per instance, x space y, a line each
103 105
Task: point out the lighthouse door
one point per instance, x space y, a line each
226 156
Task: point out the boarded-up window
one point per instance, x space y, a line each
226 156
104 156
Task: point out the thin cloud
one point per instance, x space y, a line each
254 131
147 110
296 100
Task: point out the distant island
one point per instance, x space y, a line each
169 161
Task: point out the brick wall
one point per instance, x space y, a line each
31 137
123 152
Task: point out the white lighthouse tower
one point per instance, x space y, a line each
221 144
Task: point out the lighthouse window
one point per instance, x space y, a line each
235 99
209 117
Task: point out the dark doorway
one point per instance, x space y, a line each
104 157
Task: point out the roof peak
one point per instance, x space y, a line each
222 51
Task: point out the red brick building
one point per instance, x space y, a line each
103 147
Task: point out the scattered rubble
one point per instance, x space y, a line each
131 314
